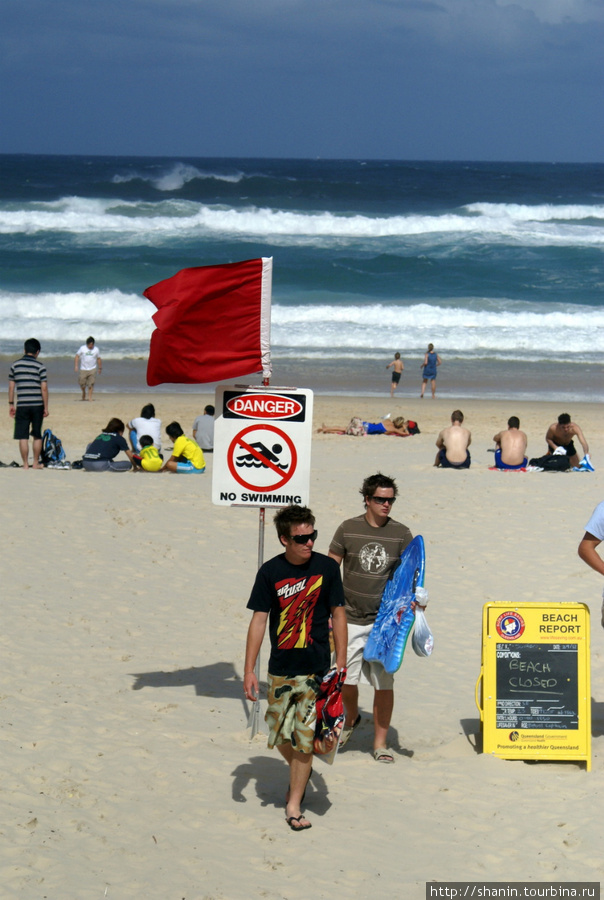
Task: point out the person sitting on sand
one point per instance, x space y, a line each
187 456
146 423
149 459
100 454
358 427
453 443
511 446
561 434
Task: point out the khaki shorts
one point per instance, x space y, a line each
358 670
86 377
291 715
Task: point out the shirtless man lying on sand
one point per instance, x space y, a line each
511 446
453 443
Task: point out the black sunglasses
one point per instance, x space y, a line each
383 500
304 538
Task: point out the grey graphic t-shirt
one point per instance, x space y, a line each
370 555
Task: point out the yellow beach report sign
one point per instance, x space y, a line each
533 691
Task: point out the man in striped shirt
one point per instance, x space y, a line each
28 377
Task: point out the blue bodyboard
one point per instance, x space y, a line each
388 637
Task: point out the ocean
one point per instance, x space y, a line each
499 265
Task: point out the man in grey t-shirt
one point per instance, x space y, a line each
203 430
369 546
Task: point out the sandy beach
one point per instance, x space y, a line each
128 770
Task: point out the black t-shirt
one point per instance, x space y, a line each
299 601
106 446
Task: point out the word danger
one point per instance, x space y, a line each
264 406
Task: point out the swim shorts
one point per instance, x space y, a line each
26 416
371 428
188 467
446 464
396 377
571 450
501 465
291 715
359 670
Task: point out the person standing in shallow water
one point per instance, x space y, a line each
429 365
397 367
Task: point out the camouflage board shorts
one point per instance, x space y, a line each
291 715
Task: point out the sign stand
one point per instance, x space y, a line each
254 721
533 691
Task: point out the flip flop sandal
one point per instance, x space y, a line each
299 827
347 732
383 755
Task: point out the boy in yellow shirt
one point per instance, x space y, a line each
149 459
187 456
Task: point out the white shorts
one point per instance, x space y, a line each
358 670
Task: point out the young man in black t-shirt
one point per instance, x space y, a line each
296 593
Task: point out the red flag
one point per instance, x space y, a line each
213 323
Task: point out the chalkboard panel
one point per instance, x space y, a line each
537 686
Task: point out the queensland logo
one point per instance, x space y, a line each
514 736
264 406
510 625
373 558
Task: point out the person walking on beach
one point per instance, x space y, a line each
561 434
397 367
593 537
296 593
89 360
453 443
27 376
369 546
510 450
430 363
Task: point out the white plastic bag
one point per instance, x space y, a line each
421 640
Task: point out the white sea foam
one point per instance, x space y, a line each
506 330
175 178
109 315
148 223
515 331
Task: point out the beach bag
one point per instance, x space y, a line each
421 639
330 713
555 462
53 454
412 427
355 427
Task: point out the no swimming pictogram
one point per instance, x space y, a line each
262 457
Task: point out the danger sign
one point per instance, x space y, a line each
261 454
262 443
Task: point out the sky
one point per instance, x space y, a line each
382 79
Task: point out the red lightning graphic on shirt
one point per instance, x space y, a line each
297 599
